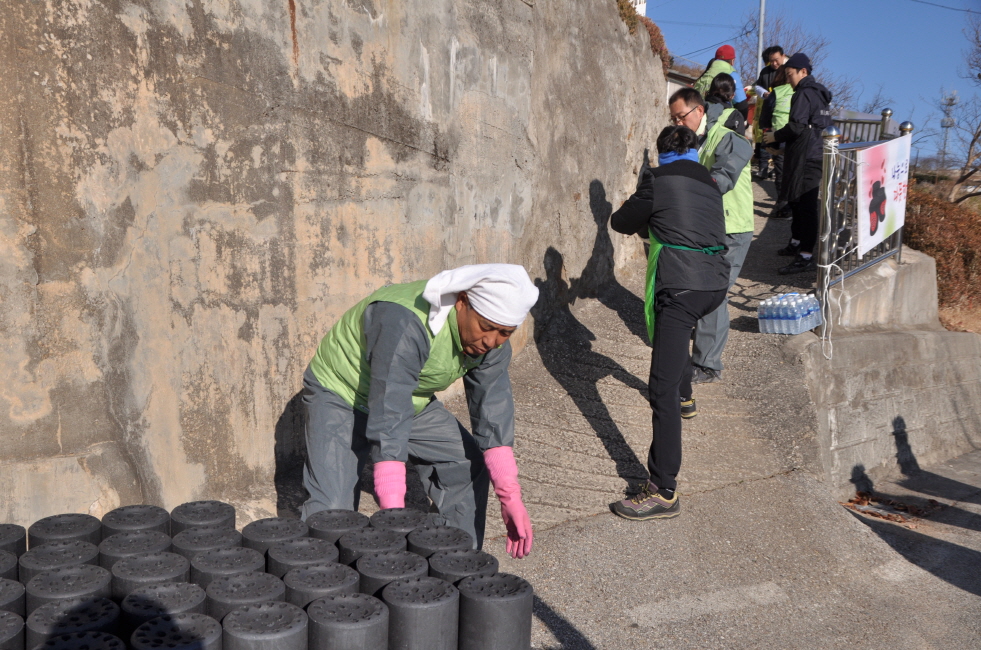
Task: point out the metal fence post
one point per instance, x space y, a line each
830 136
886 114
906 128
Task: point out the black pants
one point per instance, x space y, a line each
778 177
762 156
677 311
805 224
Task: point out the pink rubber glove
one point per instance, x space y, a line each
503 472
390 484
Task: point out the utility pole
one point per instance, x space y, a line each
759 31
947 104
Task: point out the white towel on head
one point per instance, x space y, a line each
501 293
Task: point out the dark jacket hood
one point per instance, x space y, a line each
809 84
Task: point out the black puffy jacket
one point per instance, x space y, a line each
810 113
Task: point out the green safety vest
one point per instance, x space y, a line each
705 81
738 202
781 109
652 256
341 365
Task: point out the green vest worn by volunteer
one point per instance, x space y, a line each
781 108
341 366
705 81
738 201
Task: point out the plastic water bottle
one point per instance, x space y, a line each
799 312
817 319
763 316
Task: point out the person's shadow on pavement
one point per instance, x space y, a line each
564 346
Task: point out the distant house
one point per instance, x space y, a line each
640 6
677 79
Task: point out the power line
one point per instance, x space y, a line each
676 22
934 4
731 38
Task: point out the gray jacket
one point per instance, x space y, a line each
397 349
732 154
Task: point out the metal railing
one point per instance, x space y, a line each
838 255
864 130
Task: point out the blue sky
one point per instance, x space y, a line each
911 48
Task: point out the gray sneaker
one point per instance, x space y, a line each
700 375
649 504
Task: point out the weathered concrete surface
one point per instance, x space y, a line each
192 192
886 397
889 296
897 384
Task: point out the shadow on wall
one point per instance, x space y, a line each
597 279
565 350
953 563
564 342
291 455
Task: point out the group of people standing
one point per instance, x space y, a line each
369 390
696 207
793 109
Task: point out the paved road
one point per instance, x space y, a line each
762 556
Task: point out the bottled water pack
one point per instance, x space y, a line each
789 313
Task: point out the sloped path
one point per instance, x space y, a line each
583 421
761 556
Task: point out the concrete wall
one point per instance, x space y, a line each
889 295
899 391
192 191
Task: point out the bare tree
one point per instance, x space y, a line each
779 30
967 122
967 131
877 101
973 53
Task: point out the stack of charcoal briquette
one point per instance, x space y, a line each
144 578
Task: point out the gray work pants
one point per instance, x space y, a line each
444 454
712 330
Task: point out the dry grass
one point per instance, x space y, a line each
658 47
628 14
961 319
951 234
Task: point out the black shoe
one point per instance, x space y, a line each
790 250
700 375
781 213
688 408
799 265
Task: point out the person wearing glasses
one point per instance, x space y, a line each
726 153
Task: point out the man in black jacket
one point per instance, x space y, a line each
773 58
810 113
680 206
